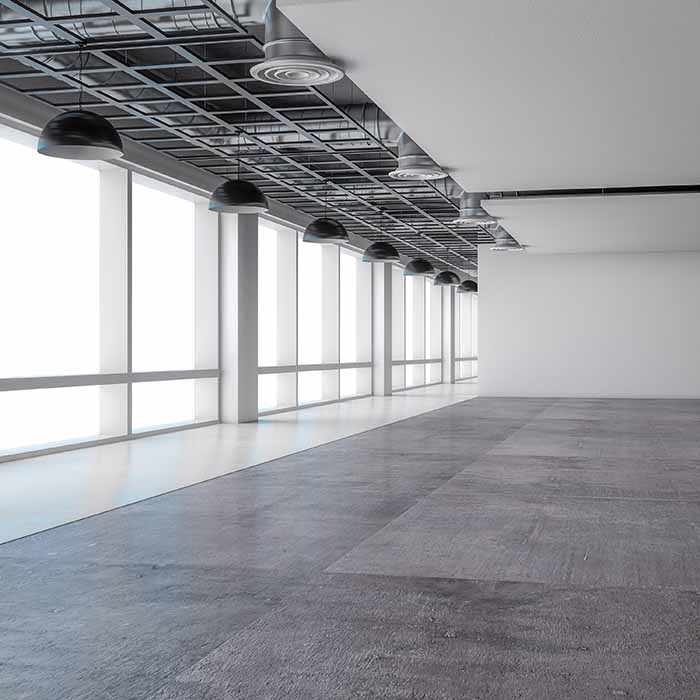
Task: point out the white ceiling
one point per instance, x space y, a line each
532 94
614 224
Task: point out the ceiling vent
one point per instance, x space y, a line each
504 242
470 210
414 163
290 58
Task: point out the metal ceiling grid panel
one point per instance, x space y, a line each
175 76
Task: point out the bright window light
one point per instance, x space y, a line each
310 303
162 404
44 417
268 308
163 279
49 264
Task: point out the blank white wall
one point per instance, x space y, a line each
599 325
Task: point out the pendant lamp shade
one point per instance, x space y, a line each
325 230
467 286
381 252
446 278
238 197
419 267
80 135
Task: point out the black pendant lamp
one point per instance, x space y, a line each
468 286
325 229
419 267
381 252
79 134
446 278
238 196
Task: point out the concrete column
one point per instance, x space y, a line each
381 328
239 317
449 331
115 315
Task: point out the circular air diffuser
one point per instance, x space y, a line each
471 211
417 172
290 58
300 71
414 163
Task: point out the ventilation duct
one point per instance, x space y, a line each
244 11
290 58
503 241
415 163
470 210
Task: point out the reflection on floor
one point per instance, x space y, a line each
43 492
496 548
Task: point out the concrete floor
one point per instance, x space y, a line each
38 493
497 548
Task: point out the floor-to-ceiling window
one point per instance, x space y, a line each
71 259
466 336
314 321
416 331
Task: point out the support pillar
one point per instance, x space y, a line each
115 304
381 328
239 317
449 317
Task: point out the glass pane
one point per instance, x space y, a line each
398 321
355 382
163 278
355 308
433 373
433 321
318 303
398 377
276 391
43 417
315 386
49 264
161 404
415 375
276 295
415 318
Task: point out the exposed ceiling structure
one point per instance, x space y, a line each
594 224
175 75
538 98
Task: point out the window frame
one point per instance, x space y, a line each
403 363
296 368
116 319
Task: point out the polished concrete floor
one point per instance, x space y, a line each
496 548
38 493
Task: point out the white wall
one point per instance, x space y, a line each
596 325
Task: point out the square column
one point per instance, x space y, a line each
381 328
239 317
115 302
449 303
